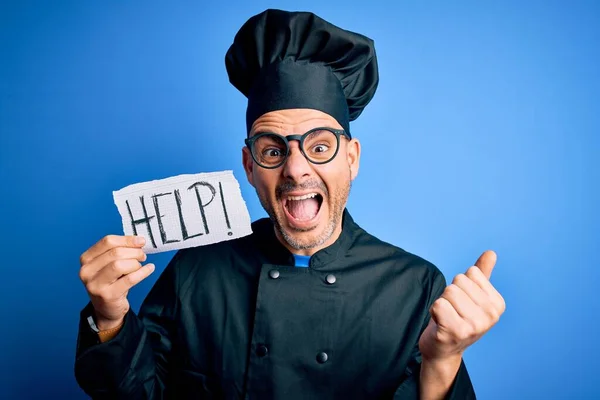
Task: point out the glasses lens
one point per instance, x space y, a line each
269 150
320 146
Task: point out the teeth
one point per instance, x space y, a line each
304 197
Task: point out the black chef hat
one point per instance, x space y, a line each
281 60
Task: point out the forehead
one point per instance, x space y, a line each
297 120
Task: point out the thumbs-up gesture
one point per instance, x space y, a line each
465 311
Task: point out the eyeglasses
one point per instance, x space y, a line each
319 146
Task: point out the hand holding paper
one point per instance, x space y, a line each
108 270
161 215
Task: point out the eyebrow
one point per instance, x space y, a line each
278 131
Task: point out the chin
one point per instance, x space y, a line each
308 236
302 228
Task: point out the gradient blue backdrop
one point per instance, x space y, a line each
484 134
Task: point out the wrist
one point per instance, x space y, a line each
443 369
446 360
108 324
438 375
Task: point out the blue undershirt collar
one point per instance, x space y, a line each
301 261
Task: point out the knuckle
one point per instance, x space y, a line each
117 252
118 266
493 314
131 241
84 276
460 278
437 306
130 279
109 240
94 290
465 332
448 291
112 253
479 326
439 303
441 336
473 272
452 289
139 254
83 259
105 241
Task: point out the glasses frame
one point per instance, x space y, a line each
300 138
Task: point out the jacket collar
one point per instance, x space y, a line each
273 252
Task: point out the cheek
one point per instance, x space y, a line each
265 183
335 175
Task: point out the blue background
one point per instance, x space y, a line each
483 134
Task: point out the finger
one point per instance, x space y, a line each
476 320
115 270
475 293
108 242
477 276
486 263
128 281
444 315
479 297
90 270
464 306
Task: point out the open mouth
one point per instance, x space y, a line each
303 208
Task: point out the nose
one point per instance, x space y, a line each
296 167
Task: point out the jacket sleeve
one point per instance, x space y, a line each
461 389
135 363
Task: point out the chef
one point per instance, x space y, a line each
310 305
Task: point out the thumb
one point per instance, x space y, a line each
486 263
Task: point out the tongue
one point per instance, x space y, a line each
303 209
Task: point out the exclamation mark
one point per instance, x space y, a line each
225 209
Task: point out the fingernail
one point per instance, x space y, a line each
151 267
139 240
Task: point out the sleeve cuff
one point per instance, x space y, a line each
105 364
462 387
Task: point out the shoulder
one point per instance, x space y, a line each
398 261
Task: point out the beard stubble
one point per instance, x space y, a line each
336 206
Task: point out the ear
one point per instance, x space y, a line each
248 164
353 157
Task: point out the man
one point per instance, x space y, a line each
310 305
